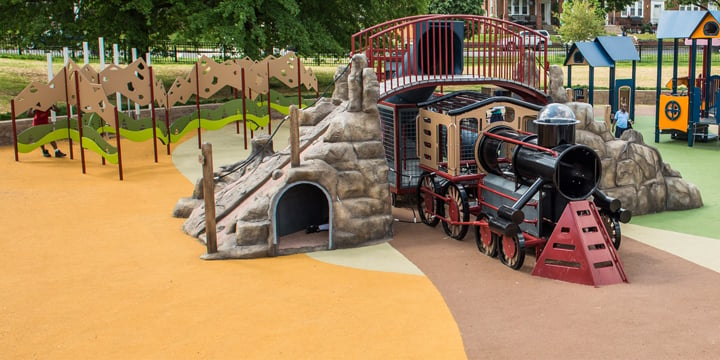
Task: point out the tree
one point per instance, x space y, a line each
254 27
470 7
581 20
251 27
47 23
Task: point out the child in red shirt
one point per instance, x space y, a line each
43 118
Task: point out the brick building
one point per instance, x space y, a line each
537 14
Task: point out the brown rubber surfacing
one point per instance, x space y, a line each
667 311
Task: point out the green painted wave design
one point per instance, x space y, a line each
137 130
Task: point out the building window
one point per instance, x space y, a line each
520 7
689 8
633 10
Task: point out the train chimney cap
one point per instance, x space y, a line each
556 114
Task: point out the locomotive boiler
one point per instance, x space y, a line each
522 191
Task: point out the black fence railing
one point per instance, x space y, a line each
160 53
185 53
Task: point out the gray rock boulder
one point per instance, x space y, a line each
633 171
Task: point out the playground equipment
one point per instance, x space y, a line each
605 51
688 114
520 190
414 55
87 91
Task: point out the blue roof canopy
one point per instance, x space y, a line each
619 48
679 24
593 53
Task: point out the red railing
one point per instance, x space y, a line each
445 49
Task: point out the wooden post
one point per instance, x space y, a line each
209 194
294 136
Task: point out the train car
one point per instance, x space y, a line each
447 132
510 185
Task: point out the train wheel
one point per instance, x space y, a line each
486 241
427 204
511 253
456 210
613 228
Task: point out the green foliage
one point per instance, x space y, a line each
581 20
249 27
469 7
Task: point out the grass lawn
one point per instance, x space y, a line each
19 73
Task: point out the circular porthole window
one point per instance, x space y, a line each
710 28
578 58
672 110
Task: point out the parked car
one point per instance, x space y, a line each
529 40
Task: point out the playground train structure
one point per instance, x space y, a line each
510 171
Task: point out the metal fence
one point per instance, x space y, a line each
185 53
160 53
648 51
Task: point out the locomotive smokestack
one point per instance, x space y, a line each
555 126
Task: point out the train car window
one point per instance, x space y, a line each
495 114
468 137
509 114
442 148
529 124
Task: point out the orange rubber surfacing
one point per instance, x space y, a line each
94 267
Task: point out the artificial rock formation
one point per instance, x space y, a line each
557 90
631 170
340 152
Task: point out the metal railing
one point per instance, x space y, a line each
160 53
443 49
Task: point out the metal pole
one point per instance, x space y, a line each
242 75
69 113
691 94
79 115
658 87
675 63
591 86
152 111
137 106
611 90
117 139
634 90
14 128
269 97
197 103
209 194
116 61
